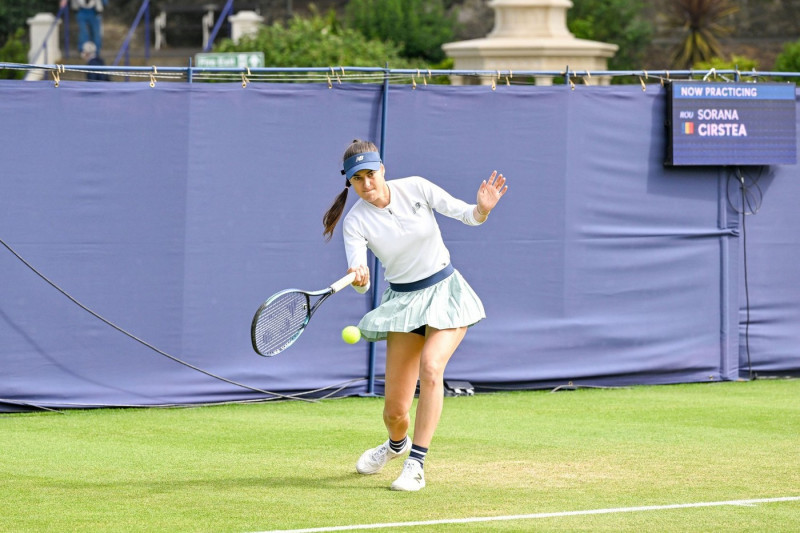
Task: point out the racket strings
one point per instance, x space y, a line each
281 321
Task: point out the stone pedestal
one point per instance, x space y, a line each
39 25
244 23
530 35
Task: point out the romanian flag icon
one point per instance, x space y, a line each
688 128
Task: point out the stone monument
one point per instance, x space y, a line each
530 35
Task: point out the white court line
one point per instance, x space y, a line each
534 516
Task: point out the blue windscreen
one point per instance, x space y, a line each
173 212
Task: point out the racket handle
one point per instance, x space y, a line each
344 282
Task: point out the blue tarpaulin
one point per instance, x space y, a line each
174 211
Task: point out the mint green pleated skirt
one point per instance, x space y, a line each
451 303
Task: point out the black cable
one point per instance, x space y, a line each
26 404
744 214
137 339
751 194
334 389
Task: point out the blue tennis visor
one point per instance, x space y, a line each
354 163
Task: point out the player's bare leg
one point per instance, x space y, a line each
439 347
403 352
440 344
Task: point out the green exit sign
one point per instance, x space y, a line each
230 60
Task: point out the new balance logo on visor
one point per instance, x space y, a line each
356 162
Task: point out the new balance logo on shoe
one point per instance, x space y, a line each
412 478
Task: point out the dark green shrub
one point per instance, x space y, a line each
15 50
418 27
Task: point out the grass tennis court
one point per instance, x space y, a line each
261 467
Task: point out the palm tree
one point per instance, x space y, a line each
702 23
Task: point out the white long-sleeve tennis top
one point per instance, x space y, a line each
404 235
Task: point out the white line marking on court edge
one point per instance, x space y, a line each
534 516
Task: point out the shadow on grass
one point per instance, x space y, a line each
265 483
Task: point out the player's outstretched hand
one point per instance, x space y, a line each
490 193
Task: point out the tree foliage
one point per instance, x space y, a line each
701 23
15 50
13 15
740 63
789 59
315 41
419 27
613 21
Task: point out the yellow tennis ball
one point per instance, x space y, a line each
351 334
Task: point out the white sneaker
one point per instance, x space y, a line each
371 461
412 478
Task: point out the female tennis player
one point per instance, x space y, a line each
428 306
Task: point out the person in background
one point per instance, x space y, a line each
425 312
88 13
89 54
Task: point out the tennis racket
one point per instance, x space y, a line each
283 317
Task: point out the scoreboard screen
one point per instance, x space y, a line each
730 124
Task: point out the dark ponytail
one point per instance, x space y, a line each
332 215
